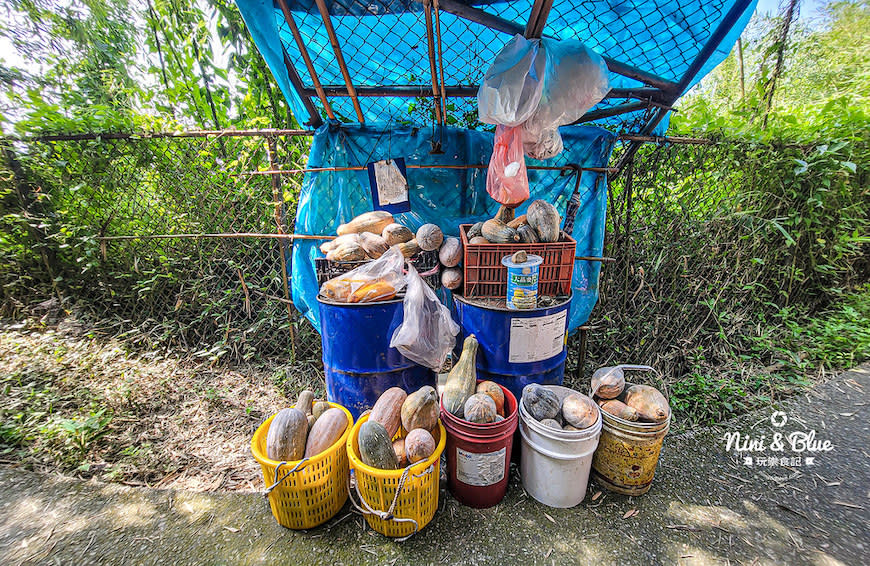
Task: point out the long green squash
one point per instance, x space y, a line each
462 379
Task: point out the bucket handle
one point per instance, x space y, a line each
554 455
387 515
298 467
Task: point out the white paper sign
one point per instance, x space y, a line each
392 185
536 339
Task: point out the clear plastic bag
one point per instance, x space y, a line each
427 333
507 180
511 88
378 280
575 80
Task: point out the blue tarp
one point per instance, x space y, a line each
446 197
384 43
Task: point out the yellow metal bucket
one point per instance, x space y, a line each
627 455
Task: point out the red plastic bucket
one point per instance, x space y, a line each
479 455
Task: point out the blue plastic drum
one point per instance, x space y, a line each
357 358
517 347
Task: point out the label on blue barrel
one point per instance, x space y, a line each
538 338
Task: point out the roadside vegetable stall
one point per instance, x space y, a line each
458 182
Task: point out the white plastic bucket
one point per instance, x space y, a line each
555 464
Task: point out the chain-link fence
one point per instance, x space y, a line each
169 241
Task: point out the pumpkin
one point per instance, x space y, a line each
650 404
518 221
409 248
498 232
544 218
330 245
420 409
552 423
505 214
374 222
375 448
373 245
498 418
401 454
388 409
285 440
478 240
608 382
492 389
579 411
527 234
326 431
450 253
311 420
451 278
618 409
347 252
319 408
305 401
462 379
396 234
480 409
337 289
429 237
378 290
419 445
540 402
474 231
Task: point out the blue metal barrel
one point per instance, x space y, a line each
357 358
517 347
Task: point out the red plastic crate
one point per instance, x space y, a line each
485 276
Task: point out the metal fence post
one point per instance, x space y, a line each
280 224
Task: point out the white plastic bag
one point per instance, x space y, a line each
427 333
511 88
575 80
378 280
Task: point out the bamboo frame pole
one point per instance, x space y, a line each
339 57
303 50
430 43
271 150
440 59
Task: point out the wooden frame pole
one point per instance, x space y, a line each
339 57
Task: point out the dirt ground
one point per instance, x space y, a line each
90 408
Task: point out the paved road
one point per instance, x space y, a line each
707 506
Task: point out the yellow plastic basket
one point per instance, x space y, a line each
417 485
307 492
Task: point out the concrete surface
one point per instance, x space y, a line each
706 506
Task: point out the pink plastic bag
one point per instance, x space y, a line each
506 179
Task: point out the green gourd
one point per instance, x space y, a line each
473 231
540 402
544 218
375 448
285 440
498 232
462 379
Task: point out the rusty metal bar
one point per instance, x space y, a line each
303 50
314 118
232 235
271 150
430 42
339 57
594 258
412 166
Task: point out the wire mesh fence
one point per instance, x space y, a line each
168 242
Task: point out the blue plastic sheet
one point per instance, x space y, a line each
447 197
384 43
